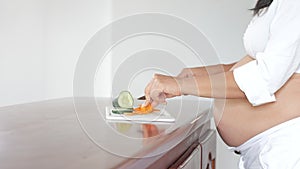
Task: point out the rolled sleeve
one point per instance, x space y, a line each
250 81
262 78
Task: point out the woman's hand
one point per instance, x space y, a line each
160 88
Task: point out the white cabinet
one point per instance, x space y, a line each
193 161
200 155
208 149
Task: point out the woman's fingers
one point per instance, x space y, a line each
154 103
147 93
160 88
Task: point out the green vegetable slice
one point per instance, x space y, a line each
122 110
124 100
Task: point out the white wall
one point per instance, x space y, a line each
69 25
21 51
41 41
222 21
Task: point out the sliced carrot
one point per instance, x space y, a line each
142 110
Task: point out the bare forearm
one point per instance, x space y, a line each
206 70
217 82
220 85
215 69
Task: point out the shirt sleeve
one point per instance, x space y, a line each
261 78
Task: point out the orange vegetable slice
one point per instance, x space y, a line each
142 110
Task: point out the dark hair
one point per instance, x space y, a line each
261 4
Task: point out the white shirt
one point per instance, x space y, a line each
273 40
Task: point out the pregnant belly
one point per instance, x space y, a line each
237 120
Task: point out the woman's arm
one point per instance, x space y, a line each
221 85
218 85
205 70
243 61
213 69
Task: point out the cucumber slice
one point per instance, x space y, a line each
122 110
124 100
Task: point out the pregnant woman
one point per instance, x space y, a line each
260 119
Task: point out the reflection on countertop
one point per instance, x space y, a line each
73 133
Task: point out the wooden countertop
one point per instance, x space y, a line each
73 133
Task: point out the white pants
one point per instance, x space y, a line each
275 148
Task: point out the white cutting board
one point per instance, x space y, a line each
159 116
